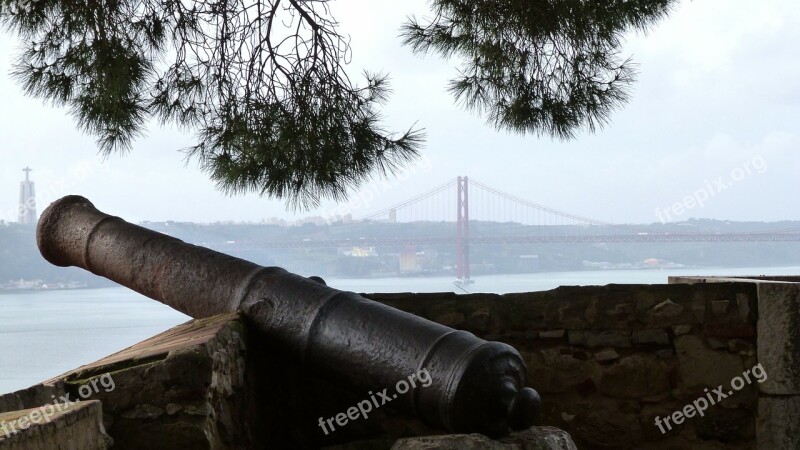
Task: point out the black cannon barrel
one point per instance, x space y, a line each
476 385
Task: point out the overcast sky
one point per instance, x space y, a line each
718 99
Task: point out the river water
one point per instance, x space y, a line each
47 333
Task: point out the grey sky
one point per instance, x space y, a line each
717 96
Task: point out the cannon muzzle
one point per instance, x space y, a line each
476 385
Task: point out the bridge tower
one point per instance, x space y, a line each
462 231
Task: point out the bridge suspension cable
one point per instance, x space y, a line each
417 199
547 215
543 208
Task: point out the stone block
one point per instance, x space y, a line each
583 356
657 399
587 338
606 427
726 425
539 438
779 337
567 417
31 397
669 311
605 356
719 307
699 306
717 343
725 330
590 314
620 310
568 314
586 387
741 347
743 306
550 371
552 334
681 329
644 300
701 366
634 377
76 426
777 425
644 337
480 320
661 408
451 319
665 353
667 308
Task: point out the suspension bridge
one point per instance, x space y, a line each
471 205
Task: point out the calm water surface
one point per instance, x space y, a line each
44 334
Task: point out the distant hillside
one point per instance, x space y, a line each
19 257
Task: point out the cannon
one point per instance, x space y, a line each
476 385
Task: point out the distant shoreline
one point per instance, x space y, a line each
642 269
694 270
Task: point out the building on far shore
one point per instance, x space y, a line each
27 200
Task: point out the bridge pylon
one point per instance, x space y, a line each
462 230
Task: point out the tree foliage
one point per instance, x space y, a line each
263 82
540 66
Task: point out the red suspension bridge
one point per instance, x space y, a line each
473 204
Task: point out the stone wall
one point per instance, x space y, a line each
75 427
609 360
778 350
